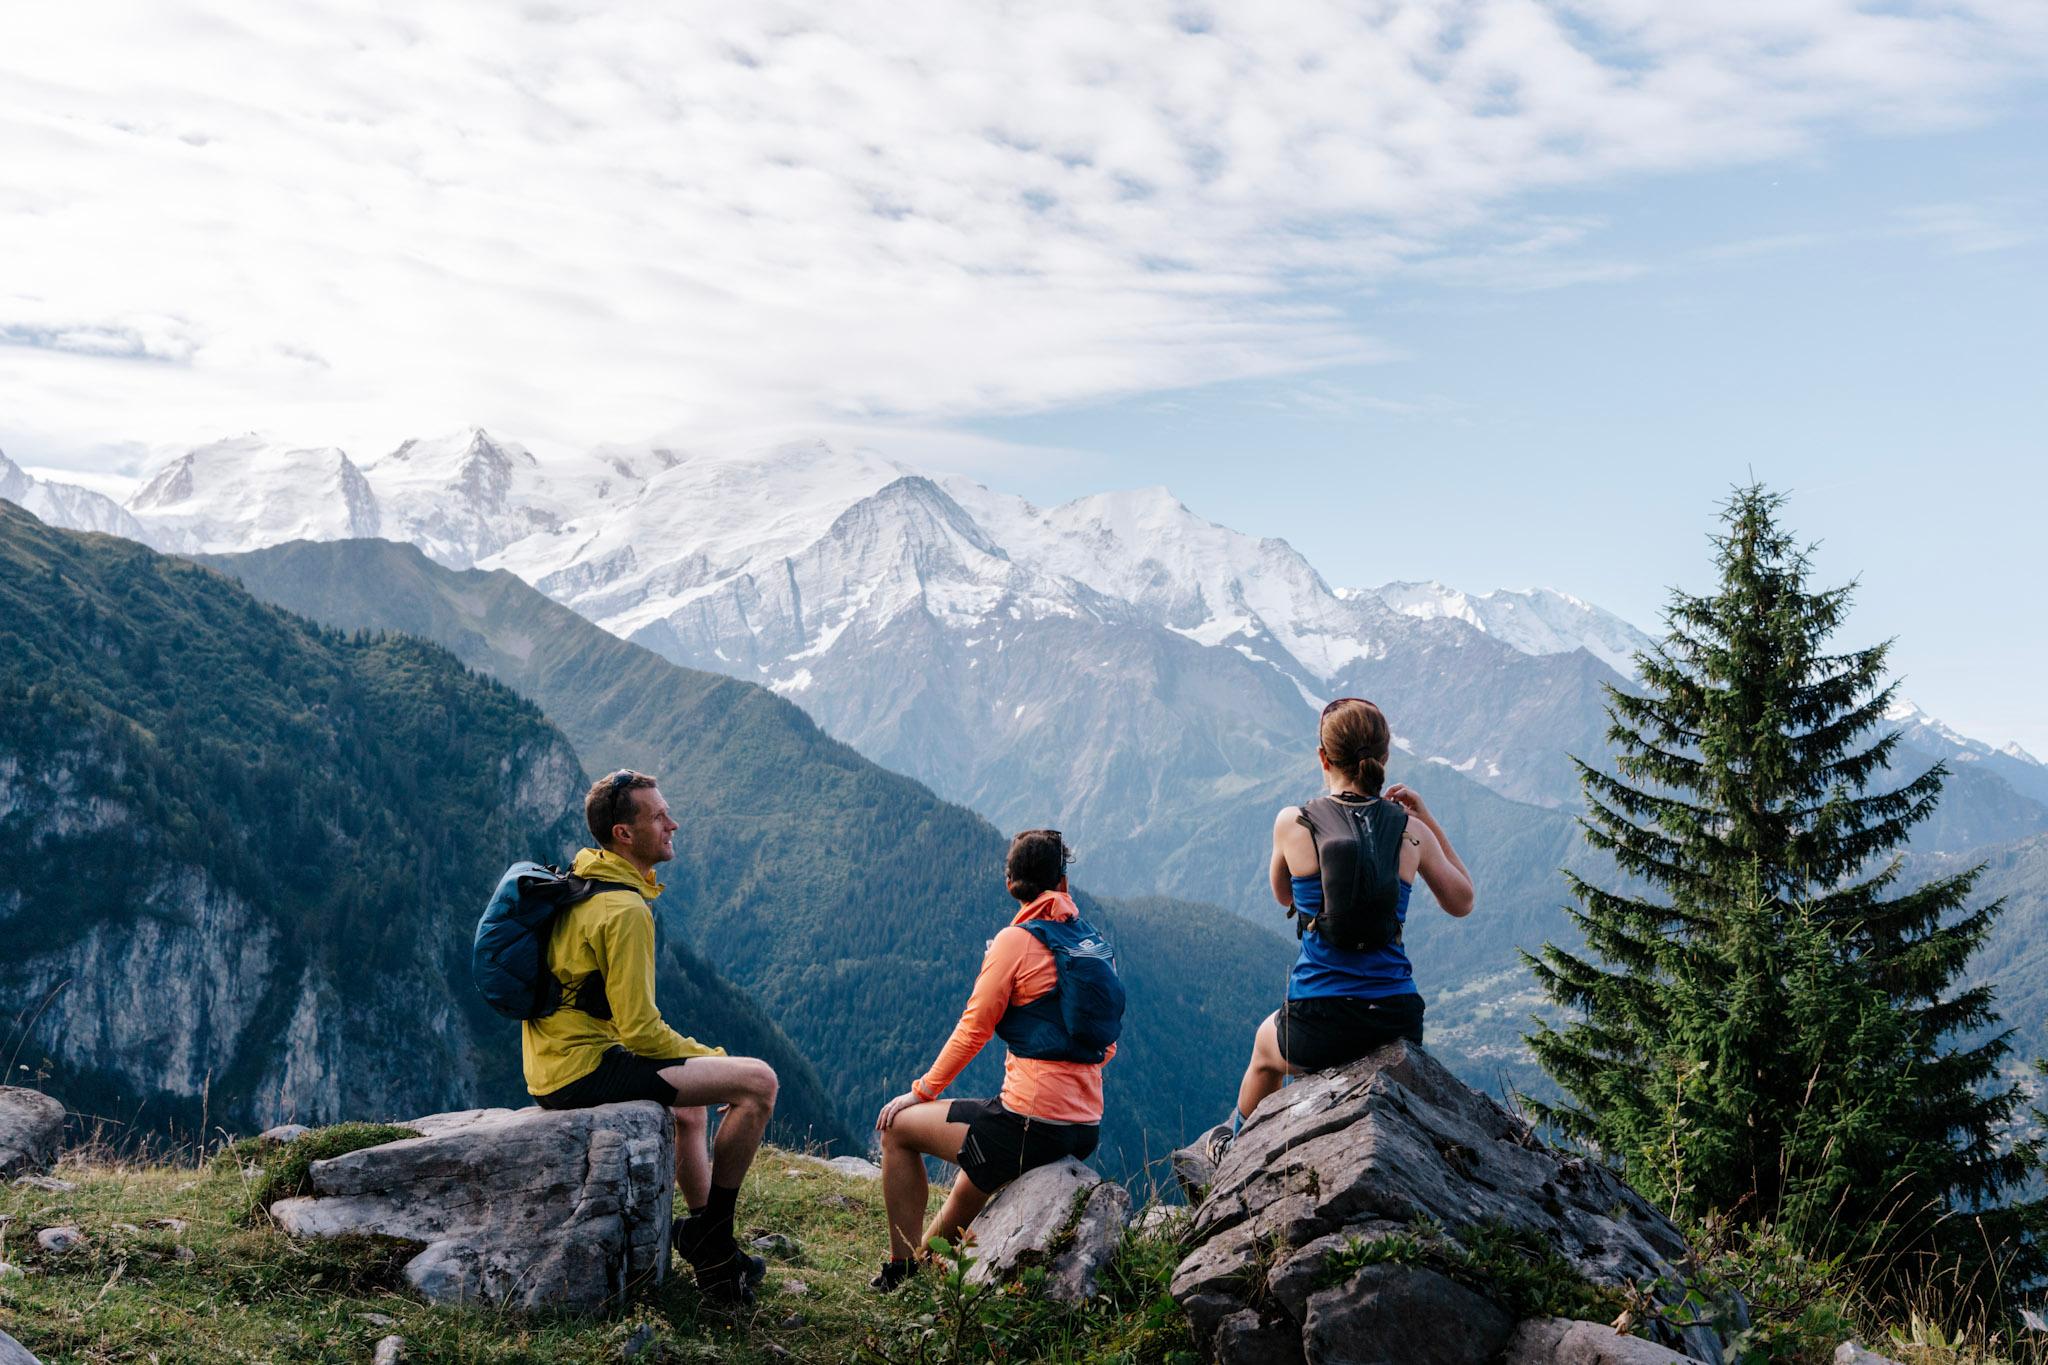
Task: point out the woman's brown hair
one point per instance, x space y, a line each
1355 739
1038 859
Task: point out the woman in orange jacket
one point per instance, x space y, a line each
1049 1108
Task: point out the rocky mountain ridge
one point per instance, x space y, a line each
240 896
1116 664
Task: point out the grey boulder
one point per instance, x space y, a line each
13 1352
1402 1315
1849 1353
518 1208
1393 1143
1561 1341
855 1165
31 1127
1064 1217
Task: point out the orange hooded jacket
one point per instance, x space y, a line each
1018 969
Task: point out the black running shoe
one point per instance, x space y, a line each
894 1273
724 1272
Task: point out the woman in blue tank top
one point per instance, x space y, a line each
1341 1002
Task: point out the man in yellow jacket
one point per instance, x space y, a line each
608 1042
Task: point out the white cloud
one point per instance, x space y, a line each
1970 229
573 221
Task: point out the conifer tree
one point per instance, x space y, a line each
1765 1020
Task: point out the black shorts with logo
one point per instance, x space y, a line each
1001 1146
1325 1031
620 1076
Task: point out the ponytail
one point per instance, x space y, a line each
1355 739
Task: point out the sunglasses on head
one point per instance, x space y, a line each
1341 700
615 785
1059 842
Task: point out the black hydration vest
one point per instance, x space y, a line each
1358 855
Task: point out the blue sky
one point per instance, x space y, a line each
1533 281
1864 326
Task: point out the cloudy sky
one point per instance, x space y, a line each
1493 291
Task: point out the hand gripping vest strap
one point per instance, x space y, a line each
1079 1018
1358 855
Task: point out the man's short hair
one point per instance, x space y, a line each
610 802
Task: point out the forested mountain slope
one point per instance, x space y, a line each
850 899
245 853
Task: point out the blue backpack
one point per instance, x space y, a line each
1077 1021
509 959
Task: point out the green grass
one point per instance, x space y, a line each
179 1267
240 1290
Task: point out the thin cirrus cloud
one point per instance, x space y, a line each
578 221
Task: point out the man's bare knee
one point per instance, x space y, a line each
763 1085
689 1118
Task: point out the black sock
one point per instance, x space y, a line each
718 1210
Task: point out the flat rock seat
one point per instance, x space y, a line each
520 1208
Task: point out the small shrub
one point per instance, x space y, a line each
1512 1266
1132 1320
1798 1304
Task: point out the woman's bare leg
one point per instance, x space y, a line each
1267 1069
917 1132
961 1205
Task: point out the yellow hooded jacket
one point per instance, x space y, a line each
612 933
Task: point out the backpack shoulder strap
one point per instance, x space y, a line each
1389 822
1040 930
580 890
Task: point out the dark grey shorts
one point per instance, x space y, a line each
620 1076
1325 1031
1001 1146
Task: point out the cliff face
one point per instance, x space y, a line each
245 855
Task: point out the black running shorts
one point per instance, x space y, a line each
620 1076
1325 1031
1001 1146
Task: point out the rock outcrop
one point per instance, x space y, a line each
1063 1217
520 1208
1560 1341
1394 1145
31 1126
13 1352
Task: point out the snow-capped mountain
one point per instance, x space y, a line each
246 491
2013 765
66 505
1539 621
1116 664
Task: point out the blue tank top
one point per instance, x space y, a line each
1323 971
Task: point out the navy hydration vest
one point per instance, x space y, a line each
509 959
1078 1019
1358 857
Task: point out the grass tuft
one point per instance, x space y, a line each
271 1171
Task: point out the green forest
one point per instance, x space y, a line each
357 792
